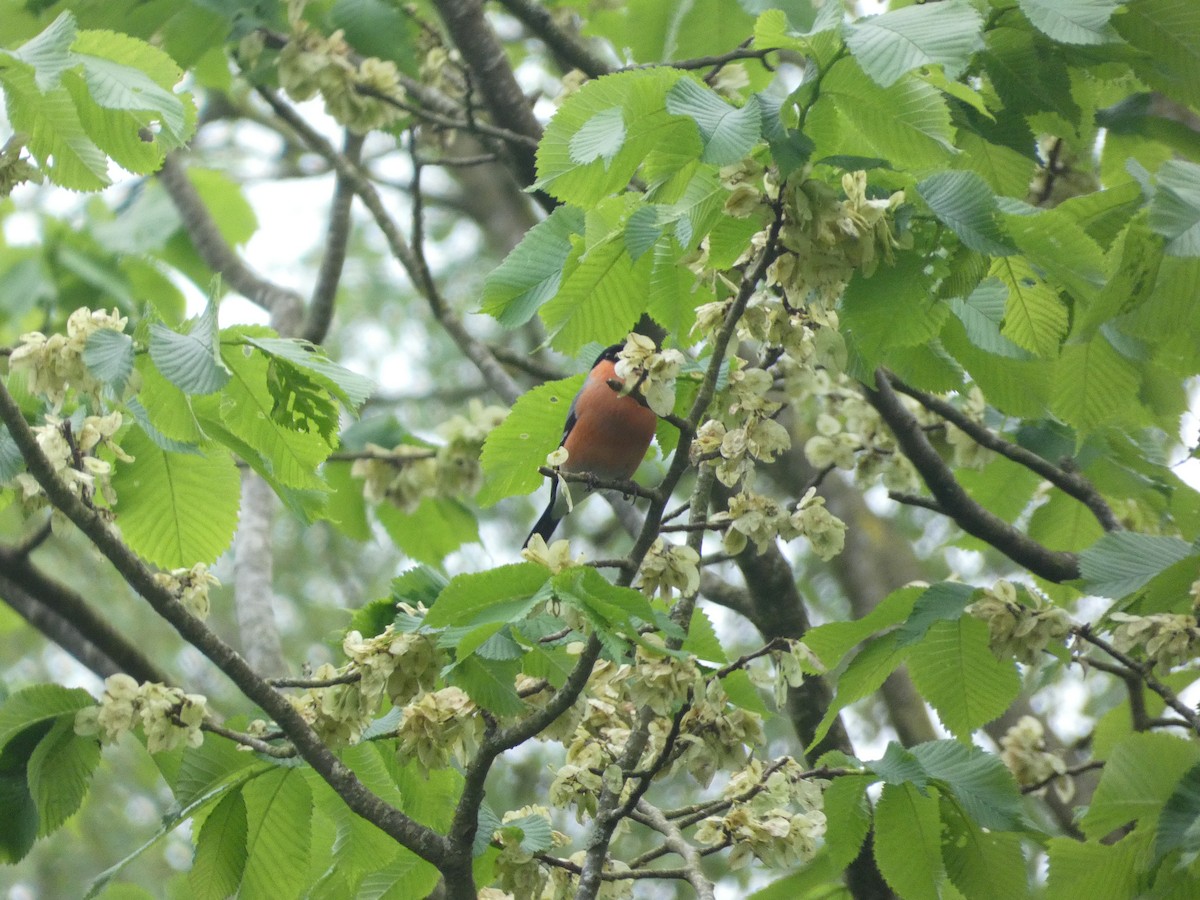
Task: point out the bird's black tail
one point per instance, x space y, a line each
549 521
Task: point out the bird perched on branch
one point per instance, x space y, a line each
606 435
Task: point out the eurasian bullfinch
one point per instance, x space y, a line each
606 435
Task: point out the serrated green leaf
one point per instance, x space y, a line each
982 315
1095 871
1175 207
908 846
702 641
531 274
1179 824
38 704
889 45
1129 789
1034 316
57 137
176 509
600 137
279 827
1053 243
108 355
11 461
964 202
727 132
609 605
640 97
960 677
48 53
348 386
833 640
513 451
435 529
907 124
899 766
192 361
1073 21
1121 562
895 307
978 780
291 455
1027 74
847 817
1167 32
59 773
470 593
863 676
489 683
221 853
1063 523
982 864
938 603
1094 384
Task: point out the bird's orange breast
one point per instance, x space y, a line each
611 432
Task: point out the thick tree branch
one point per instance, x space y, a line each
485 56
1071 483
569 48
284 305
1053 565
337 237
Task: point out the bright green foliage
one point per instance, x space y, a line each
83 97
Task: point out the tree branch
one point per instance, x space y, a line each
337 236
1071 483
1053 565
678 844
567 47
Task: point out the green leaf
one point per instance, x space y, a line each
489 683
908 846
221 852
982 315
863 676
899 41
1034 316
702 639
1167 32
108 355
57 137
727 133
1027 74
1095 871
600 137
640 99
513 451
176 509
978 780
248 411
38 705
1094 384
59 773
348 386
960 677
847 817
833 640
982 864
940 602
471 593
1179 824
1130 789
898 766
603 295
1073 21
895 307
435 529
1175 207
48 54
1056 245
531 274
1063 523
279 822
1123 561
907 124
192 361
964 202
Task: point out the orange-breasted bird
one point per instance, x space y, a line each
606 435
